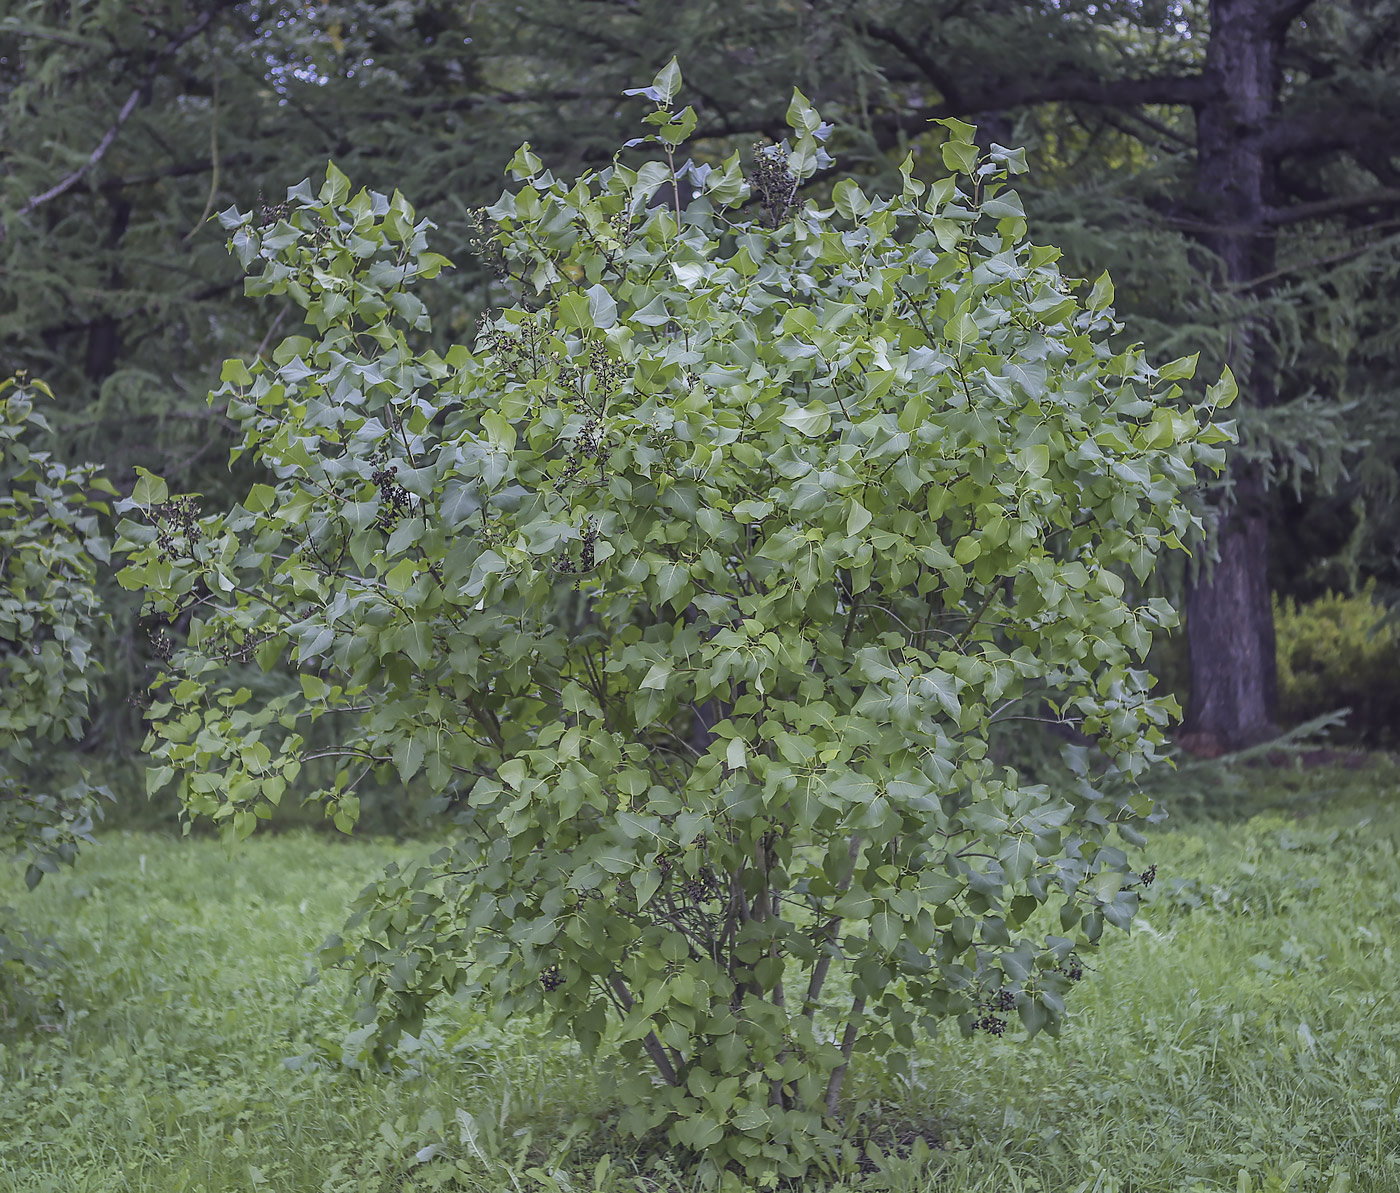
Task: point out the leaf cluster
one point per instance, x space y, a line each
51 545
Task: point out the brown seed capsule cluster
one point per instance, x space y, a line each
223 645
177 527
162 646
514 350
993 1009
552 978
590 446
608 371
1148 876
1072 969
394 499
702 888
774 186
564 562
482 242
270 213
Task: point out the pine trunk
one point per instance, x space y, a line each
1229 618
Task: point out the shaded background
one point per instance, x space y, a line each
1235 165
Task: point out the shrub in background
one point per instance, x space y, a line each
51 543
695 590
1339 652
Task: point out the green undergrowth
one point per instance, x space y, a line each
1246 1037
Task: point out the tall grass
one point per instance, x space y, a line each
1245 1037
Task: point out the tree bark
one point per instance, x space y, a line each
1230 634
1229 617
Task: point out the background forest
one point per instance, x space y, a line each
1234 165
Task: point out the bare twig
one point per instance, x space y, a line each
213 157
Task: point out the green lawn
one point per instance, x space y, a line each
1246 1037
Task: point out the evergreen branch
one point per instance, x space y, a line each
1323 129
932 71
191 31
1388 197
1282 13
1315 263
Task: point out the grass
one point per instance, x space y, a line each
1246 1037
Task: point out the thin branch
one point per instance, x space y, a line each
966 635
823 965
63 39
932 71
272 330
654 1048
848 1040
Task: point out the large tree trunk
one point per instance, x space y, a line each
1229 618
1230 633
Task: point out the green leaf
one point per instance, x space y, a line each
602 310
801 117
1181 369
524 164
943 688
401 576
235 372
1224 391
1102 295
736 755
408 754
958 130
575 312
850 201
657 676
960 156
1017 856
668 81
1006 205
1035 460
962 331
812 420
150 489
336 189
260 499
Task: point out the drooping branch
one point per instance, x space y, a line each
1172 90
72 180
947 85
1001 95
